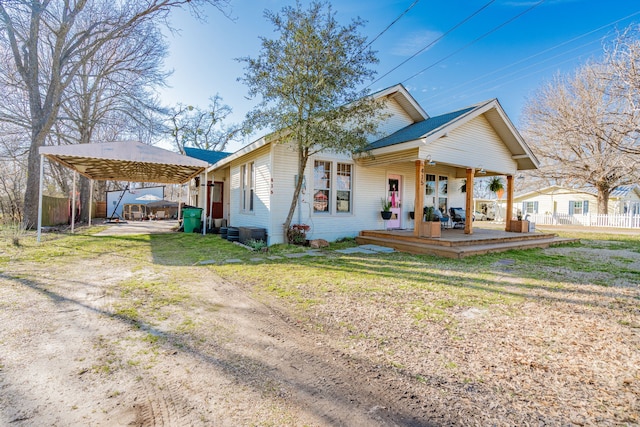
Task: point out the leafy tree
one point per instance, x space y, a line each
192 126
577 126
308 78
47 46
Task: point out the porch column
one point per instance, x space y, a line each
468 223
418 200
509 213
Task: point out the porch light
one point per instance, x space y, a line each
429 161
481 171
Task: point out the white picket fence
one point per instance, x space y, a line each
588 220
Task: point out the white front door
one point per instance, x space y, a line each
394 195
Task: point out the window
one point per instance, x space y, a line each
321 186
529 208
332 187
247 184
578 207
343 184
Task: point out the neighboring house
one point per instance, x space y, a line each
420 161
557 200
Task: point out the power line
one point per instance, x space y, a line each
391 24
431 44
468 82
475 40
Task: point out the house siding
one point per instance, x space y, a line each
486 151
260 215
561 200
396 120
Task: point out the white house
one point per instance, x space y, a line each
557 200
421 161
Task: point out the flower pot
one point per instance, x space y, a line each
430 229
386 215
412 215
520 226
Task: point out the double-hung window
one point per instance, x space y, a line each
247 186
332 187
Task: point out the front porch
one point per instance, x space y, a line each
455 243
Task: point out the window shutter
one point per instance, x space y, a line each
571 204
535 207
585 207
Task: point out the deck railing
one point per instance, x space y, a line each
587 220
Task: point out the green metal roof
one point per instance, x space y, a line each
418 130
208 156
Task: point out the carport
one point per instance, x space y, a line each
121 161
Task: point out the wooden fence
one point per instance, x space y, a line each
56 211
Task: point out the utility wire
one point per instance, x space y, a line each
475 41
468 82
430 44
390 25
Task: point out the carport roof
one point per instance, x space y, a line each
126 161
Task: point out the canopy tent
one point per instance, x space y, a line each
121 161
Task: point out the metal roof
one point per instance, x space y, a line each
418 130
126 161
208 156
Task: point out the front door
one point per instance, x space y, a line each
394 195
215 199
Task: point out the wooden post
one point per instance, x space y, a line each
468 223
418 201
509 213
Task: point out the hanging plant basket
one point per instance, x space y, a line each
386 215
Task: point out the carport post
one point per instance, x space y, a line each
90 199
73 204
204 227
40 197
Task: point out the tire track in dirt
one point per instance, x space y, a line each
324 382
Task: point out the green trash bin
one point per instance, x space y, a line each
191 219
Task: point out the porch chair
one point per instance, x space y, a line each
458 217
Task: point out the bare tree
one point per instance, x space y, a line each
205 129
623 61
578 125
113 90
48 48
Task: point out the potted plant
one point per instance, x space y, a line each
386 210
430 225
519 225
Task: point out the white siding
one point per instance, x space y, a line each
398 119
546 202
474 144
260 215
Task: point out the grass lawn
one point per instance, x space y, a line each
549 332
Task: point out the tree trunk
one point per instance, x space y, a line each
603 201
31 195
303 157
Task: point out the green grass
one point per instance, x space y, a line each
431 288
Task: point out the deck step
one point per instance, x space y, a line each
457 252
461 240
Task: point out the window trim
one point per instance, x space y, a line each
333 187
247 187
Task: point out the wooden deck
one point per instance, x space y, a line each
455 244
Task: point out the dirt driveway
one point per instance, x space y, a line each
72 356
108 336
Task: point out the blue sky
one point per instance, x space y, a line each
486 57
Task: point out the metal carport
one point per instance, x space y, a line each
122 161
